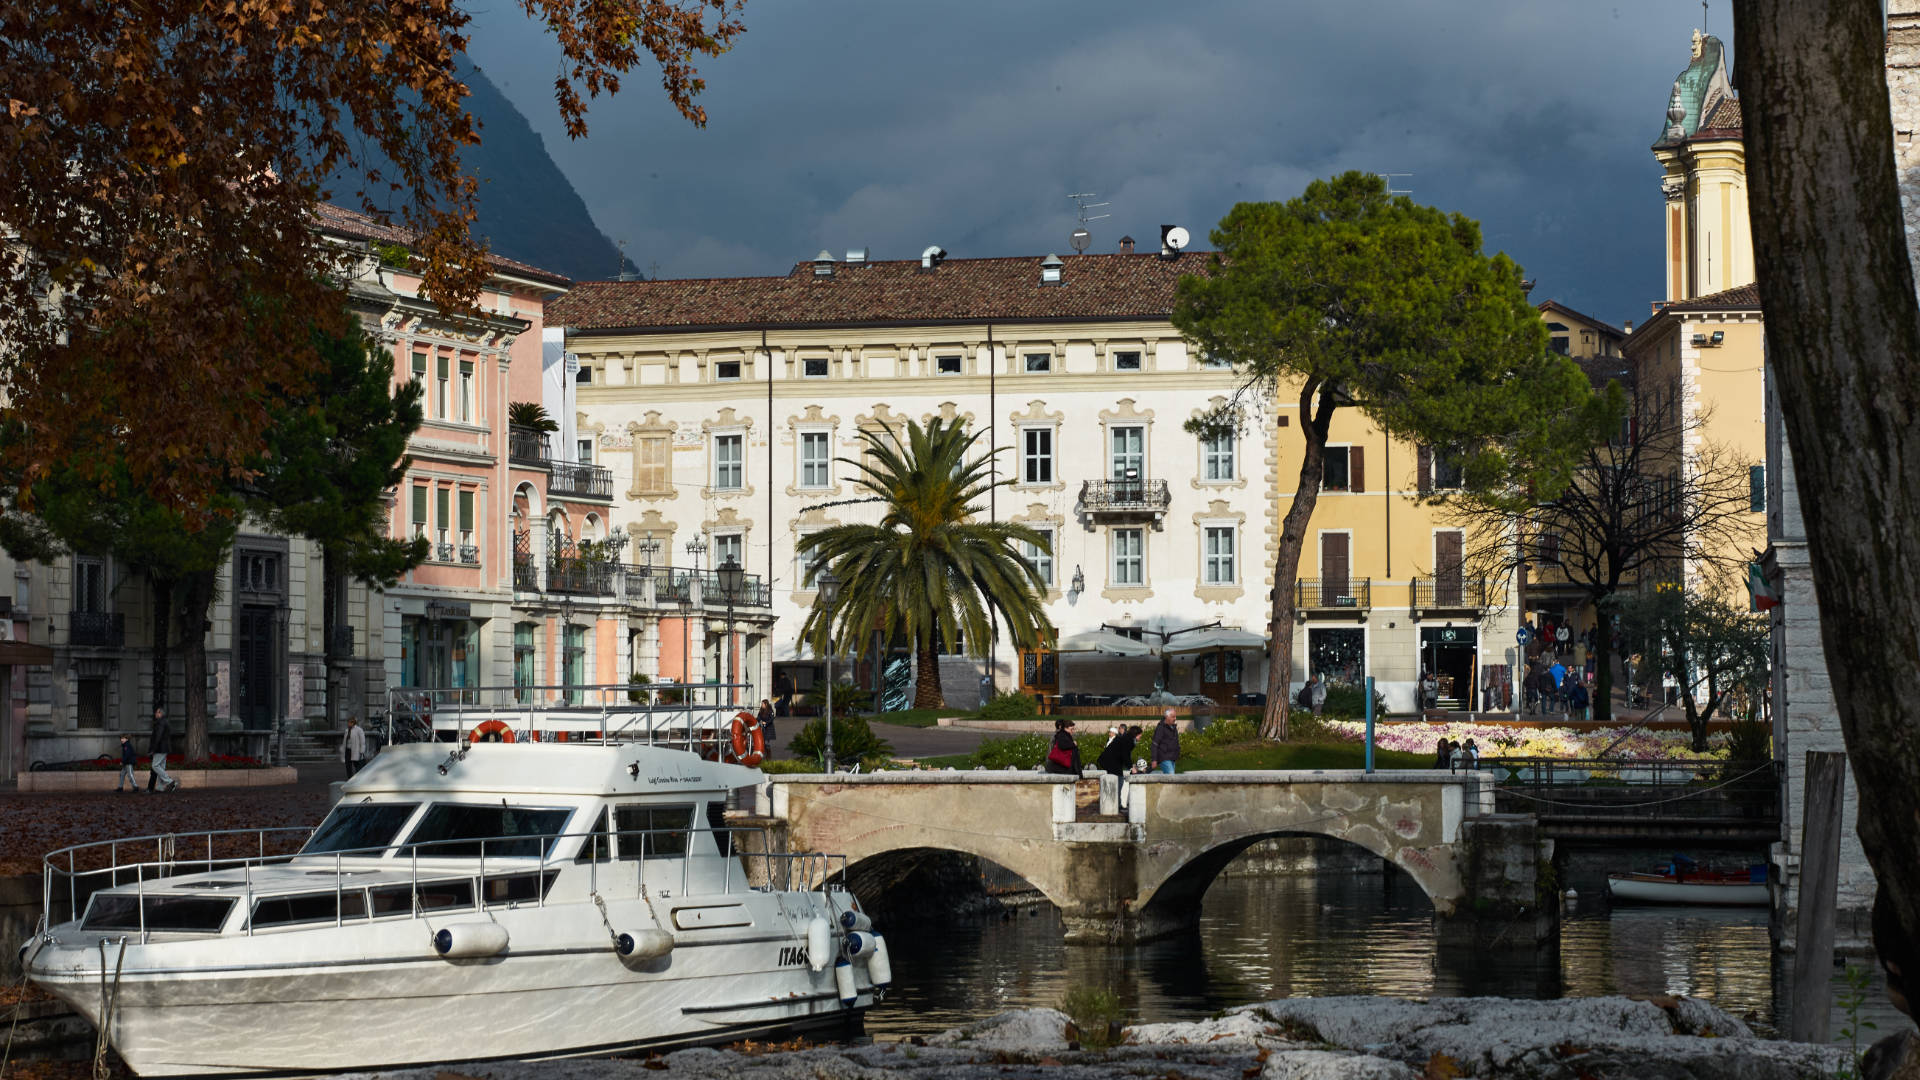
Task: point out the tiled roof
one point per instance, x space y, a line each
1555 305
1734 299
1725 118
351 223
1092 287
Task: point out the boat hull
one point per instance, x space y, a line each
1660 889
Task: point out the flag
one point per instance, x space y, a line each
1760 589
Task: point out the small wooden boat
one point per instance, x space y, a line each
1682 883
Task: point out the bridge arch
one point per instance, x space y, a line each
874 879
1178 894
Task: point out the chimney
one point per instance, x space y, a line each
931 257
823 264
1126 245
1050 268
1629 328
856 256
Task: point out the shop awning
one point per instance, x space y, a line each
1103 641
1218 639
25 652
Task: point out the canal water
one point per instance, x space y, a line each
1267 937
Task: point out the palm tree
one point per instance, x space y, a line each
929 571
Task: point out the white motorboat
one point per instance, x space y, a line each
466 900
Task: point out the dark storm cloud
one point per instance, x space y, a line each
897 126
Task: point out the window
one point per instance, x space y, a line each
1038 362
1036 455
122 911
816 460
468 552
573 661
1337 654
1040 556
1216 454
1220 566
803 569
727 370
359 827
1129 557
1548 546
90 702
1447 473
89 585
419 510
1214 363
457 830
440 390
729 546
310 908
466 391
441 497
420 369
814 367
947 365
1126 361
1343 469
651 831
1129 452
653 467
524 672
583 451
1757 488
1561 337
729 462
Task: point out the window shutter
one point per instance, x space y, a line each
1423 469
440 504
420 503
466 511
1757 488
1356 468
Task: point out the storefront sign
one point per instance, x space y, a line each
449 609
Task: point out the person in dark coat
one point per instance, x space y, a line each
1064 747
159 745
1117 758
1165 749
766 720
128 759
1443 754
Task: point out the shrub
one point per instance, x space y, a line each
1097 1017
847 699
853 740
1348 701
1218 733
1010 707
1019 751
638 679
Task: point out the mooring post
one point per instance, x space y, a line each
1812 1001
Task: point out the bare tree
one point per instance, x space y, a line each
1641 507
1843 329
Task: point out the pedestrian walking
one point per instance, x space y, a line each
1164 751
353 746
127 761
766 720
1319 695
1063 757
1117 757
1577 701
159 745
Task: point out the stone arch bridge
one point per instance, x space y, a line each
1135 865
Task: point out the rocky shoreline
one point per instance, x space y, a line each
1346 1038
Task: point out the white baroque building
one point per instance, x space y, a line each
724 408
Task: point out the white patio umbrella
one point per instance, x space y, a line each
1103 641
1217 639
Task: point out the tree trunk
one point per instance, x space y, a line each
196 597
1843 329
162 589
1286 560
1602 698
926 679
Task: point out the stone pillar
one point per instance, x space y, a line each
1510 899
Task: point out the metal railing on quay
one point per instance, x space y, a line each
779 870
1686 788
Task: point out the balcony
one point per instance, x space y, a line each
1121 497
569 480
526 446
96 629
589 577
1326 596
671 585
1452 594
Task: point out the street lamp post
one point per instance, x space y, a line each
730 574
829 592
696 547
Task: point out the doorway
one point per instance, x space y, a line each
1451 653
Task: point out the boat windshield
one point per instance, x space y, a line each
457 830
358 826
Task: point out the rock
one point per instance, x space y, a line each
1327 1065
1034 1030
1239 1030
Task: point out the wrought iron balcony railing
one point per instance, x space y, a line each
526 446
591 577
97 629
673 584
1338 594
579 481
1452 593
1125 496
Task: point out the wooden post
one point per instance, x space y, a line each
1812 1003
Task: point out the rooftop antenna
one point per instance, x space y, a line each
1080 237
1389 178
621 272
1703 16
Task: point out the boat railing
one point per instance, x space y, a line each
69 874
686 716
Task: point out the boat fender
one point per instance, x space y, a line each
819 944
855 920
469 940
843 980
857 946
648 944
879 968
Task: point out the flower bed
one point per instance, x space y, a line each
1543 742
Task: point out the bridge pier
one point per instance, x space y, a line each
1509 896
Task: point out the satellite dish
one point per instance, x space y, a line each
1080 239
1176 238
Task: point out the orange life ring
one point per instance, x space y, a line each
491 731
742 723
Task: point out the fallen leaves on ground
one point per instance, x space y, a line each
36 824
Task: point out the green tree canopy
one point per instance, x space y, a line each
930 571
1347 297
1710 647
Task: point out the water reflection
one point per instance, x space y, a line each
1270 937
